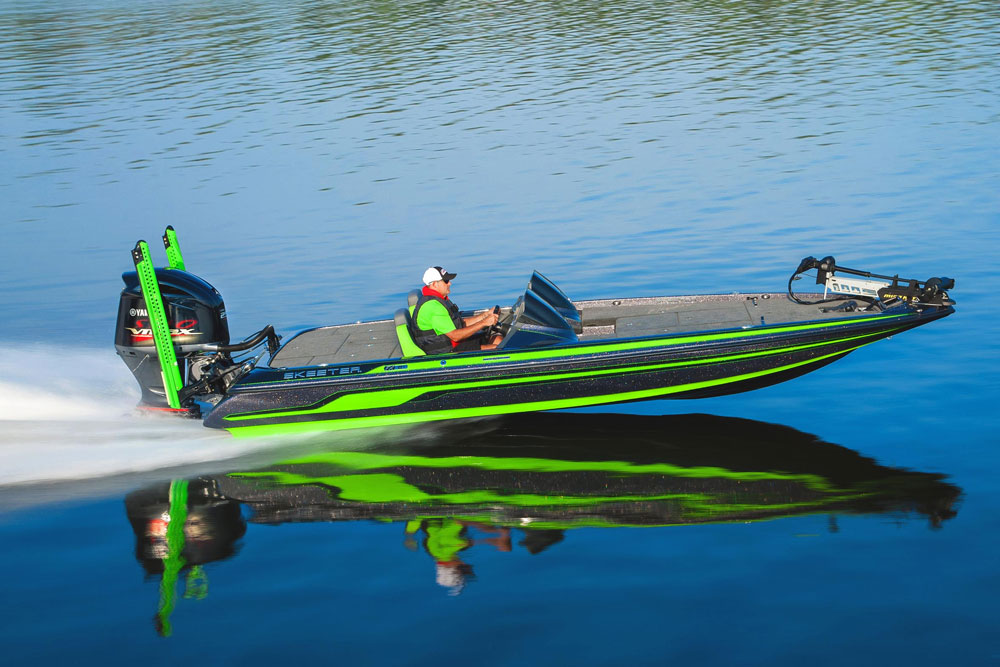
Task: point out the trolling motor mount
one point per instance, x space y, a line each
878 290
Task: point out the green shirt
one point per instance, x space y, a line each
433 315
444 539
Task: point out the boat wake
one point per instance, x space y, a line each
69 414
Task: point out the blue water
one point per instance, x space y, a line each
315 157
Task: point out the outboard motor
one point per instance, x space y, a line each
196 315
187 325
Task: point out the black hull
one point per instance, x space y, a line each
707 367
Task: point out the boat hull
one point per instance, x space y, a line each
708 364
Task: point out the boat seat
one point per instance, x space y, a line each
412 298
404 324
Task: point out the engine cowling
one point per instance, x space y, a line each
195 313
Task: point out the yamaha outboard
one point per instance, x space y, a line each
193 331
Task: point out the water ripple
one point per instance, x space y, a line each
447 120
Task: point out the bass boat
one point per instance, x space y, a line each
555 353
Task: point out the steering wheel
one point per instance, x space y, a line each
494 329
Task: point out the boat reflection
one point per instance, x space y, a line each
523 481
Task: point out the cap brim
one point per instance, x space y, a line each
449 276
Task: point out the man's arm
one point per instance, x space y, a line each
473 326
476 319
438 319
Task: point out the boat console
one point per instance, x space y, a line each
540 317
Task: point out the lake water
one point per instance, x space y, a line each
315 157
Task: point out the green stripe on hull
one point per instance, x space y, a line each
558 404
632 345
387 398
457 361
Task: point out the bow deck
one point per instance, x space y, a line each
602 319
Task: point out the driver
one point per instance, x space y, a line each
439 327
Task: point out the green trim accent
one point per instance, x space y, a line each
174 562
451 361
560 404
158 323
406 343
645 343
387 398
173 249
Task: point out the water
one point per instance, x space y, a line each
315 157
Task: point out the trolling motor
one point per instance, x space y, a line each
173 335
877 290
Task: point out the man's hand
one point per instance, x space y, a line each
487 319
473 325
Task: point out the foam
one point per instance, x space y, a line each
69 413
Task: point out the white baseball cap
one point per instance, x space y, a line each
436 273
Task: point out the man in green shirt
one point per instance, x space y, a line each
440 327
